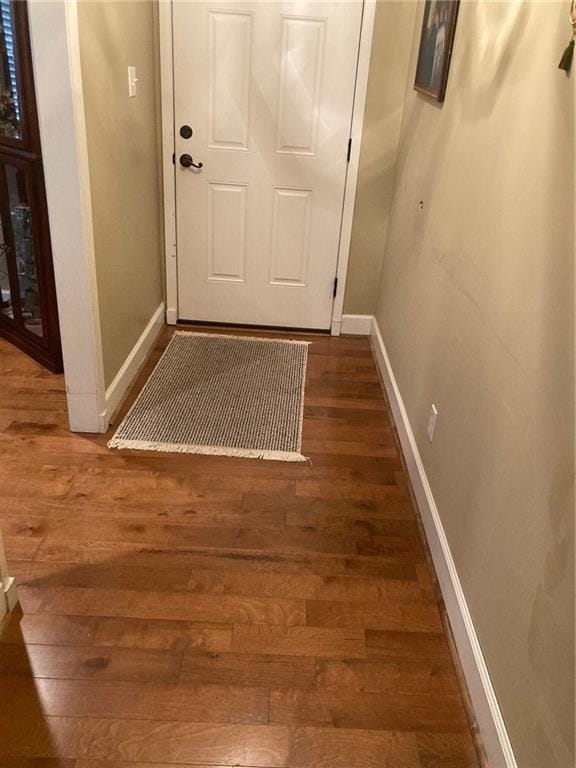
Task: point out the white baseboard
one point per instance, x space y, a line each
8 595
84 413
171 316
8 592
356 325
132 364
488 715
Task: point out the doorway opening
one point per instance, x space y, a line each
262 118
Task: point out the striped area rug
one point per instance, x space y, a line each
221 395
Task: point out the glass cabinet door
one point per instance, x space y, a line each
28 314
20 301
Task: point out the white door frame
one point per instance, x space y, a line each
168 167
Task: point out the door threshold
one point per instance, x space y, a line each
202 324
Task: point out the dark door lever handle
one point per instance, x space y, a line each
187 161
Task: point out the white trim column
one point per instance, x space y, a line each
8 595
58 80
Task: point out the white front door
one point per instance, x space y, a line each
267 89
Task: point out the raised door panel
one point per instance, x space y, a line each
227 232
230 41
300 85
291 236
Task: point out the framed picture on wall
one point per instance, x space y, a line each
438 27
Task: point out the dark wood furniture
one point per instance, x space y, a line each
28 311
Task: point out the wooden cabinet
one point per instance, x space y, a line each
28 310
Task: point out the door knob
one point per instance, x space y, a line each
187 161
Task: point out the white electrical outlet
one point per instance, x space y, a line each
432 422
132 82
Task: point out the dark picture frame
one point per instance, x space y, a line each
436 41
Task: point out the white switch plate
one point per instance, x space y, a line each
132 80
432 422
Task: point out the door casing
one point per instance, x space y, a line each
168 168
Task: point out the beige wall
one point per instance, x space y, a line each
123 158
389 63
476 307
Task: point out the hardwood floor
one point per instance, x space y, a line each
206 611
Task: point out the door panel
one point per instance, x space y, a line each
300 82
267 88
291 236
229 51
227 232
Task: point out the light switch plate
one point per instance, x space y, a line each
132 81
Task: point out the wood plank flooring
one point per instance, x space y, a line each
205 611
